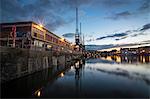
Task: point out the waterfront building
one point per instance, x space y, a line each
32 36
145 50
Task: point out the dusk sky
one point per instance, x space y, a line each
104 22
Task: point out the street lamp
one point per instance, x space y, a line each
62 39
41 25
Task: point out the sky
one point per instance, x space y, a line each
104 22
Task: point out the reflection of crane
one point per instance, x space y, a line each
77 78
78 75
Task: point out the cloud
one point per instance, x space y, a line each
145 6
69 35
134 35
124 73
110 3
125 34
147 41
112 36
121 38
90 40
145 27
120 15
138 32
53 13
57 13
142 10
98 47
115 2
101 47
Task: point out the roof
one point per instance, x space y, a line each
11 23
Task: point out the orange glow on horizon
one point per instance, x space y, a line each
118 48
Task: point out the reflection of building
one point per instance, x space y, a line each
134 50
144 59
124 50
113 52
144 50
135 59
31 35
128 58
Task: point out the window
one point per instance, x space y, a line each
20 34
48 37
35 34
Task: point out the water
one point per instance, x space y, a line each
106 77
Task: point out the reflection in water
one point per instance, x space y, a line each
130 71
116 58
72 67
78 76
128 59
62 74
125 73
108 77
38 93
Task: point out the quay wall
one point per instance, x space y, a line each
18 62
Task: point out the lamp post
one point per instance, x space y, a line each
13 34
8 41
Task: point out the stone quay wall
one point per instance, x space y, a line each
18 62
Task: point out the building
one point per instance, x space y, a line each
32 36
145 50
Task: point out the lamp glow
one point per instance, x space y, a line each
62 74
41 25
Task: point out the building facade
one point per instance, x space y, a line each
32 36
145 50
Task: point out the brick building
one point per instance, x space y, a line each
32 35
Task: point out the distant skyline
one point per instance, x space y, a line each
104 22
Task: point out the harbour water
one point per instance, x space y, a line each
106 77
